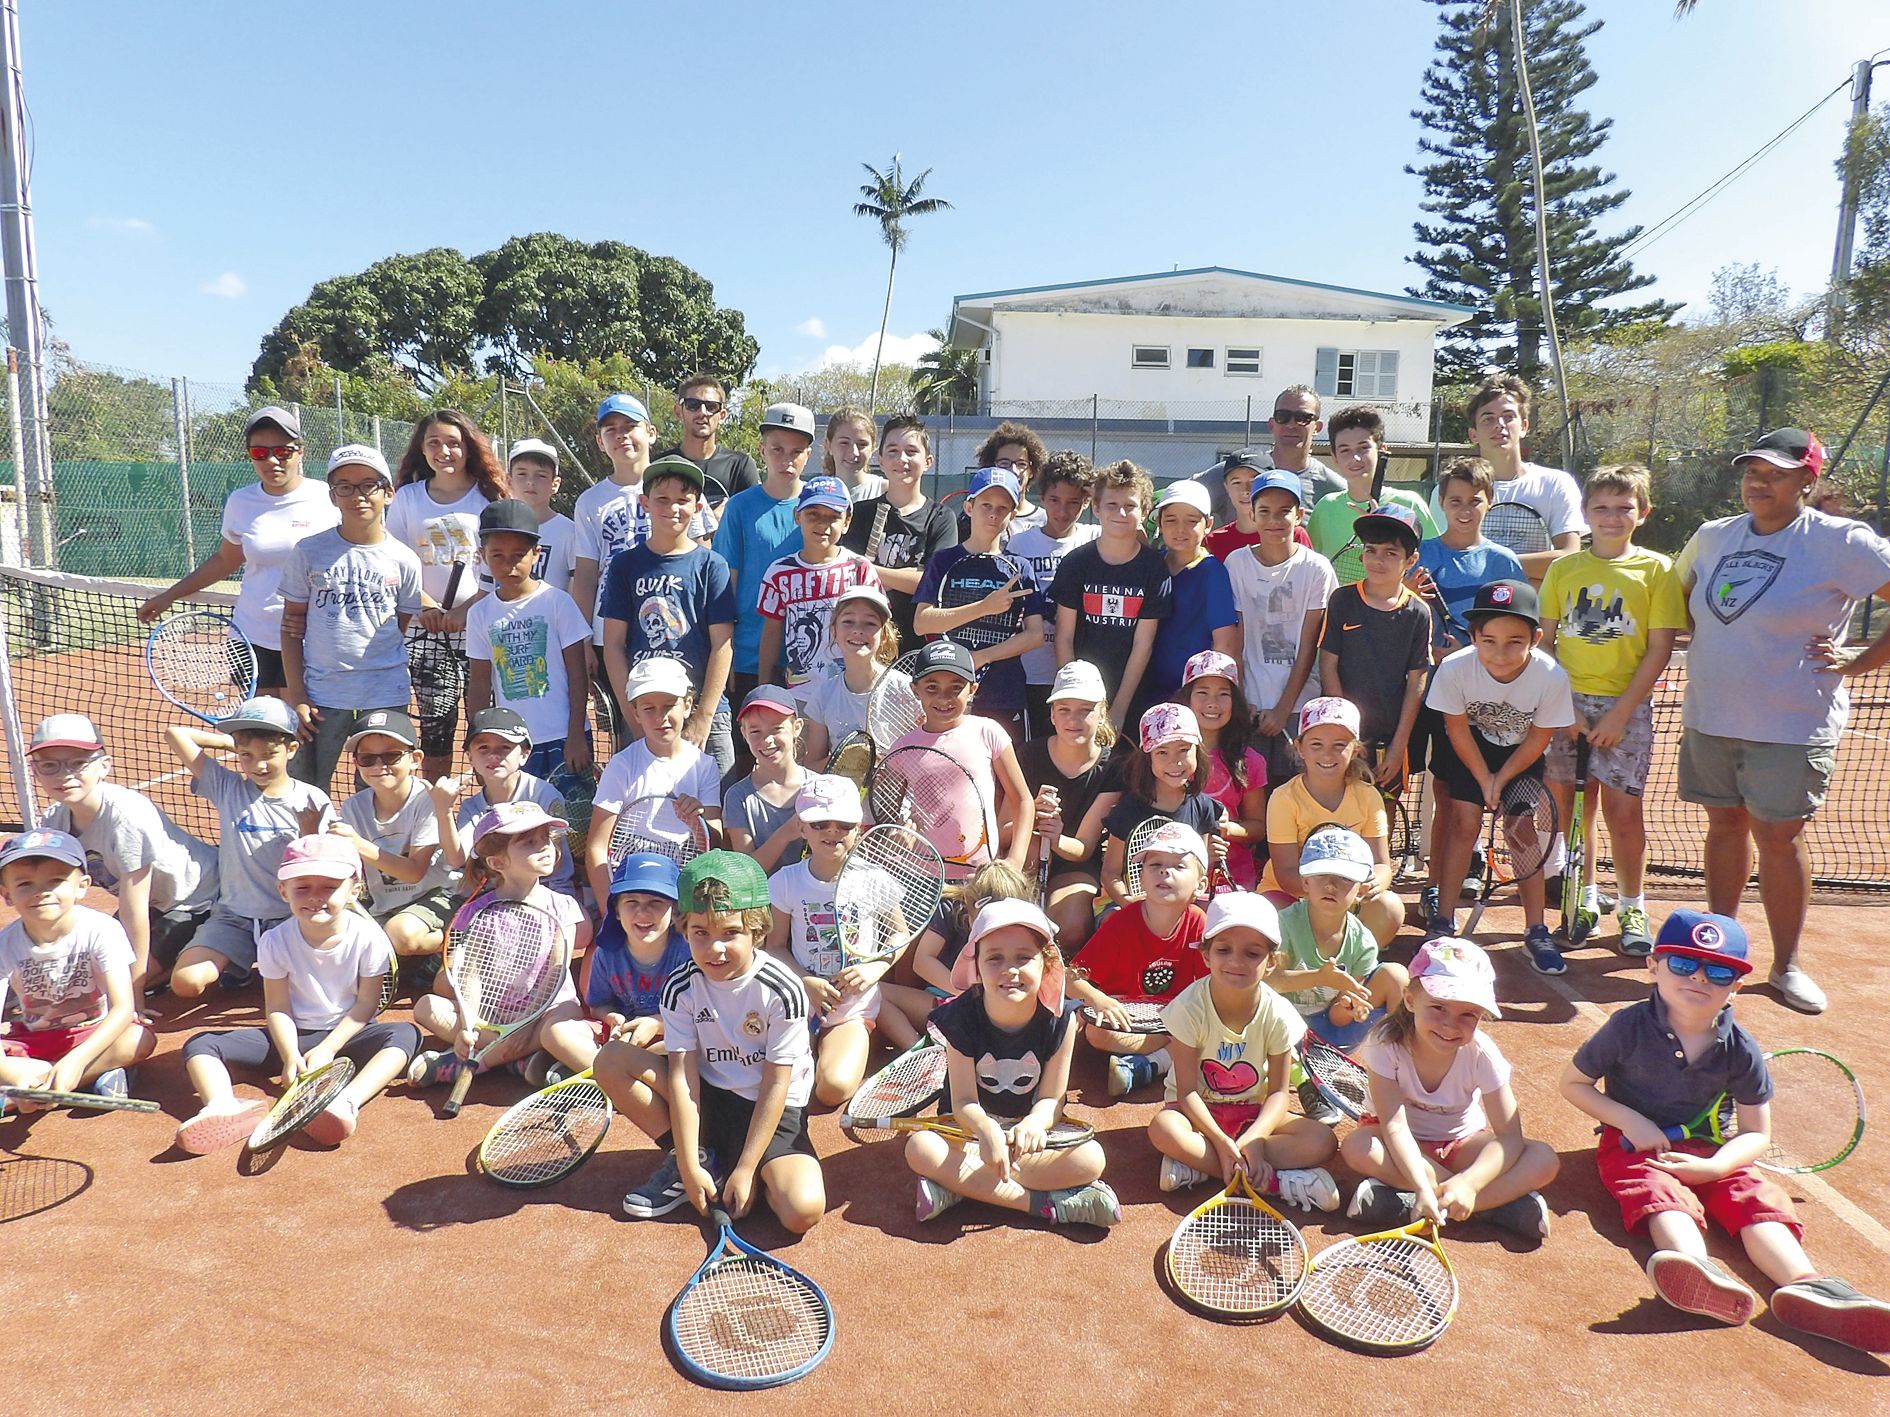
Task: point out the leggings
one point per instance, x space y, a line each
254 1048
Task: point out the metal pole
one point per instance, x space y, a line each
1095 404
180 421
1847 200
505 415
1246 440
532 403
16 738
22 483
377 436
1653 421
24 321
341 426
1542 228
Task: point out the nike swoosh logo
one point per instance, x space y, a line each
1351 627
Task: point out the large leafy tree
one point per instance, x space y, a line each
946 378
1478 244
892 201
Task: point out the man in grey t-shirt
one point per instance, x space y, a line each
1295 422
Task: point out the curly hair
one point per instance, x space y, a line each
1006 433
487 473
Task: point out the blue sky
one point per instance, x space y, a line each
199 166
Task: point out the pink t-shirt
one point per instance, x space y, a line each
976 745
1454 1109
1222 788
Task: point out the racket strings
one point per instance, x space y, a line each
546 1135
1338 1073
1394 1293
747 1318
1144 1017
1518 527
200 664
903 1085
1817 1115
652 824
507 955
309 1095
1235 1258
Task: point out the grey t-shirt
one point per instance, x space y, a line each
353 655
1316 480
1757 602
411 827
746 808
131 832
254 830
529 789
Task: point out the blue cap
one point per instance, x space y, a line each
1717 939
629 405
1278 480
263 714
647 872
60 846
1003 477
824 492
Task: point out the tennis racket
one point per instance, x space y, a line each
1212 883
1519 527
1061 1136
881 514
1236 1257
506 963
1574 868
892 709
1145 1015
888 887
390 985
578 790
435 664
202 663
654 824
909 1083
31 1184
1517 841
1335 1074
1349 564
1393 1292
970 579
1404 844
545 1137
301 1102
928 792
1044 853
746 1320
77 1101
854 758
1818 1099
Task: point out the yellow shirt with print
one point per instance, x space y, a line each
1603 612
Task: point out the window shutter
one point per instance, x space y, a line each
1387 373
1326 373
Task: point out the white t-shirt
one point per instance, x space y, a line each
267 529
61 984
1044 554
807 901
833 705
411 827
131 832
734 1029
324 983
1454 1108
440 534
637 772
609 517
871 484
1549 492
1539 697
524 640
1273 602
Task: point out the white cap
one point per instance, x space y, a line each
533 447
658 674
871 594
828 797
1178 838
1236 910
996 916
65 730
1186 493
1081 680
1334 851
358 455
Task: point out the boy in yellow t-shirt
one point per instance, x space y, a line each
1609 615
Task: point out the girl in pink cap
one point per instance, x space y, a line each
1443 1139
1236 770
1164 777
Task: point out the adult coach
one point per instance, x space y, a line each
1294 423
701 410
261 525
1770 594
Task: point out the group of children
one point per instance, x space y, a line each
1266 710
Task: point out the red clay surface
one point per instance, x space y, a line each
387 1277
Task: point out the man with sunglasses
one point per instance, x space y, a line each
261 525
1295 422
701 410
1660 1064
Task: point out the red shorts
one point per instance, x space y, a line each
48 1045
1746 1197
1438 1151
1233 1117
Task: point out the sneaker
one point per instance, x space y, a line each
1583 924
1544 957
1307 1187
1832 1309
1430 902
219 1125
1799 990
1313 1103
434 1067
1128 1071
1440 924
1094 1204
1381 1207
114 1083
933 1200
663 1191
1701 1286
1635 940
1527 1216
557 1073
234 977
334 1124
1472 886
1180 1176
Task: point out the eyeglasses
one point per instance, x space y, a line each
696 405
379 760
349 490
57 768
1013 464
280 452
1686 966
1291 415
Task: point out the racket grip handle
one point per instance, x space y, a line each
1671 1133
461 1086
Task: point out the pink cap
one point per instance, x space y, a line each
333 858
828 797
997 915
1175 838
1210 663
1329 710
1454 969
1169 723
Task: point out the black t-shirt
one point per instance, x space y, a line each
906 543
1377 649
735 471
1078 793
1110 601
952 922
1197 810
1009 1065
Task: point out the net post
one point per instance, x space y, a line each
16 738
180 421
22 484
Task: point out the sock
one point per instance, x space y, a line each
1558 856
1161 1062
1591 897
666 1142
1633 902
1039 1202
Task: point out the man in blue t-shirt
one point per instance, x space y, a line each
758 528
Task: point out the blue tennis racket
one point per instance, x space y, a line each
747 1320
202 663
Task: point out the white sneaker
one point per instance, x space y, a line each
1799 990
1307 1187
1179 1175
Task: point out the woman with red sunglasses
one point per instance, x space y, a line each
261 525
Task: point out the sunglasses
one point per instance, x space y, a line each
1686 966
1282 415
56 768
380 760
696 405
280 452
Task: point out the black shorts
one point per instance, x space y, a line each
270 675
171 930
725 1119
254 1048
1457 779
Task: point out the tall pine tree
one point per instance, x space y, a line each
1480 246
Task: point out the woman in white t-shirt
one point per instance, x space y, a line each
446 477
261 525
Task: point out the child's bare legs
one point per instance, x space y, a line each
1627 838
1073 911
1450 859
1107 1040
636 1080
569 1036
210 1079
437 1015
960 1167
127 1050
795 1190
840 1061
1534 893
196 970
1440 829
1296 1144
1383 915
1364 1151
371 1079
410 934
1386 985
902 1013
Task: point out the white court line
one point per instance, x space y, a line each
154 781
1820 1189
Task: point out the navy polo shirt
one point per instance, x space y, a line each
1640 1062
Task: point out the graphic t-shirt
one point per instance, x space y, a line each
1009 1064
1233 1060
1001 685
801 596
440 533
906 541
255 829
622 983
1603 611
525 640
353 654
737 1028
1043 553
131 832
268 528
1503 713
1110 601
1126 959
667 603
610 517
61 984
1274 602
807 901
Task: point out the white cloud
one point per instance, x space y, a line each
122 225
813 327
900 349
228 286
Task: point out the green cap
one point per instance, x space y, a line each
675 465
747 883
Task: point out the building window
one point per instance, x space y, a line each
1243 361
1200 359
1149 356
1356 373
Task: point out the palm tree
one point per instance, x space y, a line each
946 380
889 201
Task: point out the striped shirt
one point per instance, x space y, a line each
737 1028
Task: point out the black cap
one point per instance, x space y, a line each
947 656
1788 447
508 514
502 721
1516 598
